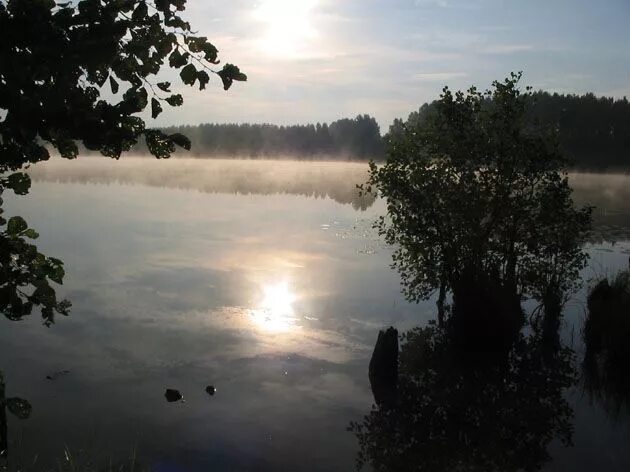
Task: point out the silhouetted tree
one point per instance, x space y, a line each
477 199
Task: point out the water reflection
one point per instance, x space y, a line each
606 331
476 405
334 180
150 313
276 313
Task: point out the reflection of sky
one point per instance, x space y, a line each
276 300
166 286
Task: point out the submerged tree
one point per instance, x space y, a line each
477 197
80 72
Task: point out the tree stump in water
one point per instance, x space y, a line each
383 370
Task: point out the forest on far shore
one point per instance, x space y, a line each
594 132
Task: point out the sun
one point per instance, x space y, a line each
288 26
278 299
275 312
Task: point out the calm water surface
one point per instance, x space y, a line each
262 279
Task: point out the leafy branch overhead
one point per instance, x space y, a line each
25 273
75 72
60 63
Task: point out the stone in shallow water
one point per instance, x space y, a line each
172 395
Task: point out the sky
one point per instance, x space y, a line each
312 61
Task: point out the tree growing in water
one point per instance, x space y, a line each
478 200
80 72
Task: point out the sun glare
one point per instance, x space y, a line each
287 26
276 308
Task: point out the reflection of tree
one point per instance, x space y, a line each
606 365
464 403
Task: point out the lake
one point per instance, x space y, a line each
263 279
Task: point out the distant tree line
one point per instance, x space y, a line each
348 138
593 132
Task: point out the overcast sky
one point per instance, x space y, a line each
319 60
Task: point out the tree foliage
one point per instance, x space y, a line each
26 274
80 73
476 191
59 60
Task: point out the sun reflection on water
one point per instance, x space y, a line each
275 312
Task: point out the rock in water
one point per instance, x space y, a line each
56 375
383 371
210 390
172 395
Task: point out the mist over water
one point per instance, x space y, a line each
319 179
260 278
608 193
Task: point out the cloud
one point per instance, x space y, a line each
439 76
432 3
507 48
